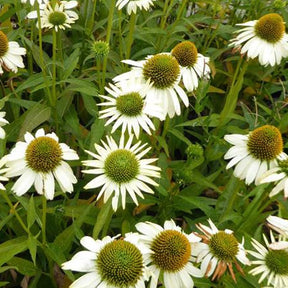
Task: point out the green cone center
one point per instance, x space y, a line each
224 246
162 69
270 28
121 166
43 154
172 250
277 261
4 44
57 18
265 143
120 264
130 104
185 53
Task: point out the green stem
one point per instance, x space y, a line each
108 36
164 17
54 57
232 96
120 35
44 213
5 196
180 11
93 16
166 126
132 23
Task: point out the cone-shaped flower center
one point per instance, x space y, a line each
265 143
162 69
130 104
120 264
185 53
270 28
4 44
100 48
277 261
121 166
171 249
57 18
224 246
43 154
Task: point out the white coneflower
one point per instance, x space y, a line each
120 169
3 161
127 107
264 38
271 263
171 258
110 263
10 54
38 160
219 251
278 224
254 153
56 17
193 64
163 72
3 122
134 4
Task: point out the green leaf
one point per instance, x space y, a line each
180 136
70 63
23 266
32 246
12 247
31 212
83 86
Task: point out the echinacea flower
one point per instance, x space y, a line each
271 263
3 161
134 4
254 153
163 72
10 54
38 160
279 175
219 251
193 65
264 38
171 258
56 17
127 107
110 263
278 224
120 169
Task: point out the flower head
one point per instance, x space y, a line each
264 38
255 153
218 251
271 263
120 169
10 54
38 160
110 263
171 254
56 17
127 107
100 49
134 4
163 72
193 65
3 122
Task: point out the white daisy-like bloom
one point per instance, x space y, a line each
171 259
279 175
264 38
127 108
57 17
193 64
38 160
271 263
133 5
254 153
120 169
219 251
278 224
3 122
111 263
10 54
3 161
33 1
163 72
